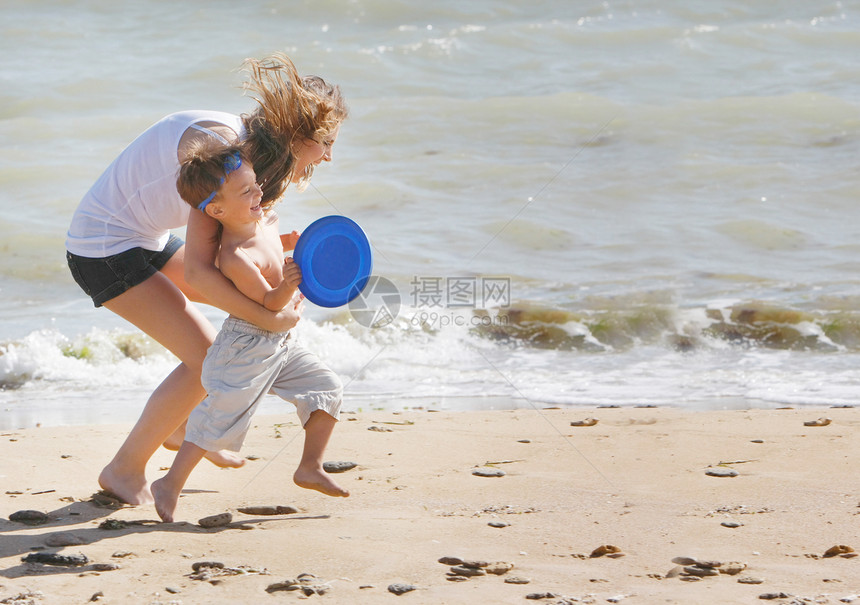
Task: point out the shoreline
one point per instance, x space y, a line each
636 480
126 408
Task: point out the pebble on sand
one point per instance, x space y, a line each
488 472
49 558
29 517
586 422
750 580
606 550
469 572
517 580
721 471
338 467
400 589
219 520
839 549
451 561
268 510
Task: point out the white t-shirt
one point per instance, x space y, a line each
134 203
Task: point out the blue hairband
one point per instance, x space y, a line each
233 162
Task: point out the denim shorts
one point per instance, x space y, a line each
105 278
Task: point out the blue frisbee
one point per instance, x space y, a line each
334 256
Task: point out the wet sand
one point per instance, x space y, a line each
552 488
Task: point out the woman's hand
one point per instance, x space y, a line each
289 240
288 317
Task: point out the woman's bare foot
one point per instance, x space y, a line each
129 489
221 458
166 500
319 480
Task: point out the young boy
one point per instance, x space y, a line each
245 362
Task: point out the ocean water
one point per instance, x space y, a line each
576 202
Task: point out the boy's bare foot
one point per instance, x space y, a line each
129 489
165 500
319 480
221 458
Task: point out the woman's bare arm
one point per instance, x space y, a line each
202 274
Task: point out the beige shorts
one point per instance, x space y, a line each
243 365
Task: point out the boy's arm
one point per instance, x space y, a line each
241 270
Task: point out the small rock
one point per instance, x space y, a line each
198 565
286 585
172 589
110 566
453 578
488 472
535 596
606 549
586 422
29 517
380 429
462 570
97 596
451 561
64 538
684 561
338 467
701 572
268 510
516 580
750 580
499 568
474 563
708 564
732 568
839 549
731 524
757 441
768 596
400 589
122 554
48 558
498 524
720 471
113 524
219 520
524 440
675 572
820 422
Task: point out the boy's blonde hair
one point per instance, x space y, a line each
203 170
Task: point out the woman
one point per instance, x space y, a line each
122 255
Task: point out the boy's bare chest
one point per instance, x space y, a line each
269 257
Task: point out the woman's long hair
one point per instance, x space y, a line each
291 109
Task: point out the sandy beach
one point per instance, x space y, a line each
639 482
